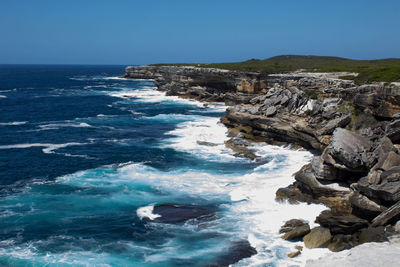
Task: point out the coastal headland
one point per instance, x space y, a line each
352 127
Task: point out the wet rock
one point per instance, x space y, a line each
340 223
176 214
240 146
389 216
292 194
290 225
294 254
204 143
307 182
294 229
341 242
238 250
319 237
373 234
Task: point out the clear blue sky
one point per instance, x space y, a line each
140 32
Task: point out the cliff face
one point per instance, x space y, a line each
201 83
354 129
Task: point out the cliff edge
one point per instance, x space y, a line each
353 129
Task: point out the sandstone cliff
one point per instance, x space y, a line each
355 131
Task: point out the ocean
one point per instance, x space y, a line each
96 170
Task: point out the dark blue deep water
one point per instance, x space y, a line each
87 158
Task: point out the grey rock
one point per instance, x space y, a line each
387 191
350 149
389 216
335 123
284 100
322 170
308 183
388 161
271 111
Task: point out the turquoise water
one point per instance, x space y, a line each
88 159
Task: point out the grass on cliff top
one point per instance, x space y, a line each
381 70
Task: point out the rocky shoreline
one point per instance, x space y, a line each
353 130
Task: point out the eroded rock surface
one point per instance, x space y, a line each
353 130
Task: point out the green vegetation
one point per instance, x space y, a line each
386 70
312 94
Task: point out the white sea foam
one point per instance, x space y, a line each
54 126
115 78
150 95
254 208
147 212
254 213
47 148
191 137
3 96
13 123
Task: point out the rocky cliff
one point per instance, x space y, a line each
204 84
354 130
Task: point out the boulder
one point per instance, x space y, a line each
294 229
271 111
384 146
363 207
393 131
292 194
340 223
388 161
290 225
387 191
322 170
237 250
350 149
389 216
177 214
397 227
319 237
341 242
294 254
373 234
335 123
308 183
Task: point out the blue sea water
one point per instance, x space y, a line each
86 157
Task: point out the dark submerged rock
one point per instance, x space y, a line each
238 250
176 214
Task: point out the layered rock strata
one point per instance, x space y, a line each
354 131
